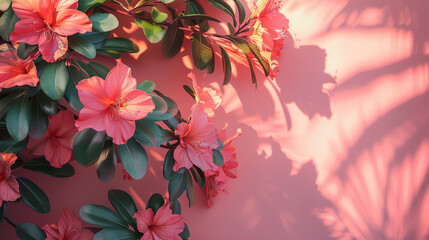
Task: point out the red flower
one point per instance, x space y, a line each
47 23
69 228
9 187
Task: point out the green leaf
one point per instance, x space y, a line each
176 186
33 196
7 102
185 234
155 202
175 207
123 203
147 86
24 50
82 46
88 146
221 146
169 161
40 165
153 32
103 22
202 52
217 158
241 11
198 175
85 5
106 167
264 64
134 158
39 120
252 72
226 64
9 145
231 29
30 231
71 95
101 216
109 53
53 80
2 210
101 70
5 4
222 5
148 133
116 234
189 188
189 91
47 105
18 119
121 45
141 3
162 112
173 40
167 1
86 71
197 16
211 64
96 38
158 16
7 24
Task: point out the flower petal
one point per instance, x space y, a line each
6 161
119 81
66 4
72 21
139 105
68 223
37 146
9 189
89 118
52 46
118 128
28 30
56 154
182 158
144 219
91 93
201 157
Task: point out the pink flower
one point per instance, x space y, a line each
69 228
56 144
216 179
113 105
14 71
208 96
162 225
197 139
9 187
47 23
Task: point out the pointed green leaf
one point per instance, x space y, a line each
173 40
101 70
158 16
24 50
222 5
226 64
7 23
106 167
118 44
169 161
18 119
33 196
241 11
101 216
9 145
7 102
53 80
103 22
147 86
116 234
2 210
202 52
85 5
30 231
217 158
88 146
39 120
155 202
82 46
71 95
40 165
189 188
133 158
153 32
123 203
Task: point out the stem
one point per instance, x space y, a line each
10 222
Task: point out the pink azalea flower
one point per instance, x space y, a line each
197 139
14 71
56 144
69 228
9 187
206 95
47 23
216 179
113 105
162 225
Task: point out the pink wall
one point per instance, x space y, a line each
336 148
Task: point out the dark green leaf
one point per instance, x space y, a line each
252 72
88 146
155 202
221 146
226 64
121 45
96 38
116 234
9 145
185 234
86 71
124 205
264 64
142 3
103 22
7 24
222 5
173 40
147 86
5 4
101 70
71 95
217 158
189 91
101 216
33 196
24 50
197 16
202 52
211 64
18 119
158 16
160 113
82 46
2 210
85 5
176 186
148 133
189 188
231 29
53 80
175 207
7 102
133 158
198 175
241 11
39 120
169 161
47 105
109 53
42 166
106 164
153 32
30 231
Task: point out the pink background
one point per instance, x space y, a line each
336 148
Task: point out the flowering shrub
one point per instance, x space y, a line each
58 104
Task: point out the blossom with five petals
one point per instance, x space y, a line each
55 145
197 139
47 23
162 225
113 104
208 96
14 71
216 179
9 187
69 228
